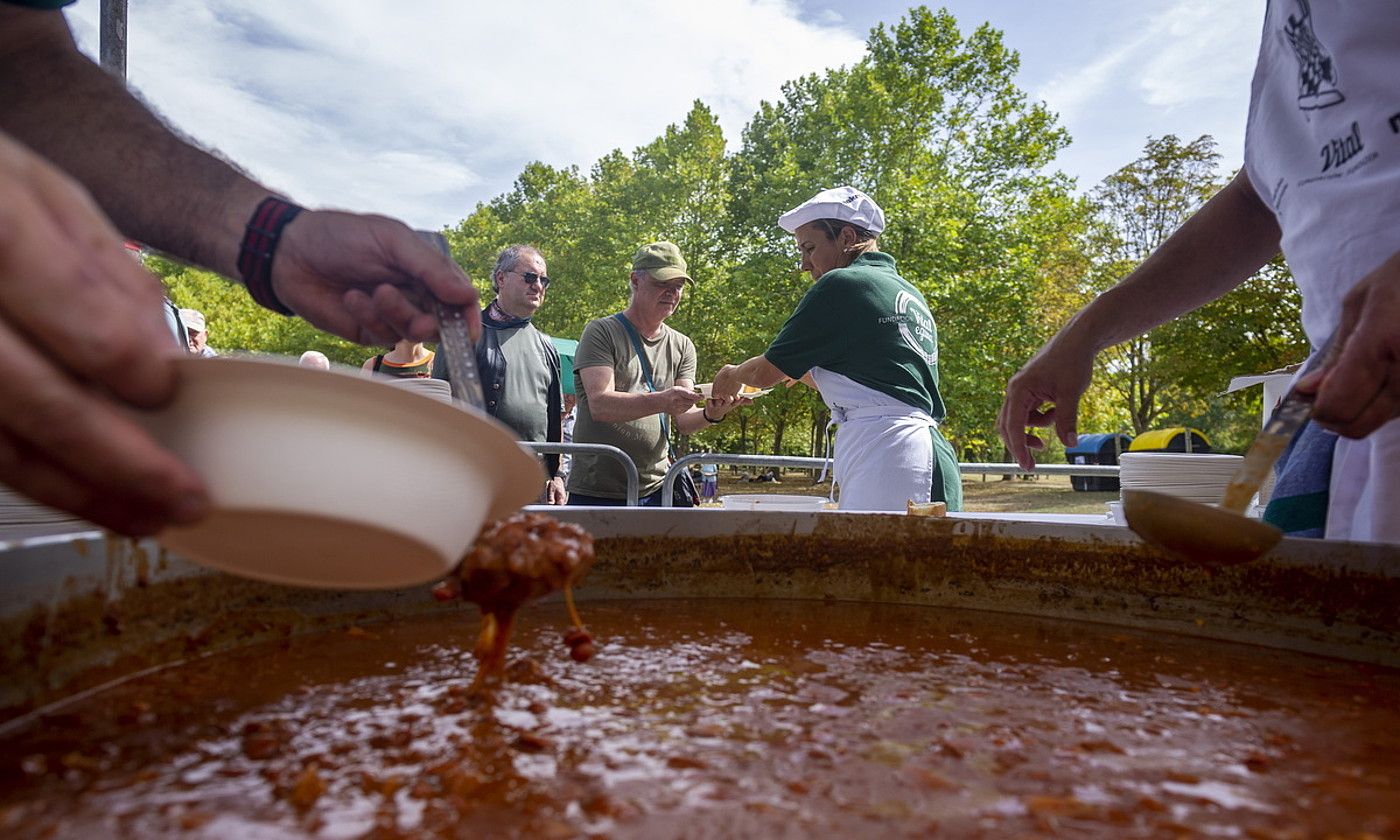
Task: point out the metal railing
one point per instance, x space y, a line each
794 462
789 461
1041 469
782 462
547 448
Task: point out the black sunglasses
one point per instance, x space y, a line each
531 278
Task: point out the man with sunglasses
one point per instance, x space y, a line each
520 369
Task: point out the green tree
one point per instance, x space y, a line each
1174 375
931 124
589 226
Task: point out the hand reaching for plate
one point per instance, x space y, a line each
747 392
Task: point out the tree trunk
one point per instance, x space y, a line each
820 416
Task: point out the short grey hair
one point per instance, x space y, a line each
508 258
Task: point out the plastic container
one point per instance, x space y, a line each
759 501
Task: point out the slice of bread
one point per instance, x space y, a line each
927 508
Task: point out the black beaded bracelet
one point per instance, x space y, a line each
705 412
259 245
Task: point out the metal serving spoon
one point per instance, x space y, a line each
1223 535
457 347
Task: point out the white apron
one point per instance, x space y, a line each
1322 149
884 450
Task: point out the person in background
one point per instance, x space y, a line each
635 377
519 365
84 166
566 461
865 337
407 359
170 313
314 359
197 331
709 481
1321 180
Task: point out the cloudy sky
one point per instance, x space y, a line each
423 108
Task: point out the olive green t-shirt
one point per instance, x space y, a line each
870 325
604 343
524 402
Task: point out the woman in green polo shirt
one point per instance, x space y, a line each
868 341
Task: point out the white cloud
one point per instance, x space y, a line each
422 113
1201 50
1072 92
1192 51
1184 69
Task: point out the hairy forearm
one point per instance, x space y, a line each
156 187
1217 249
611 406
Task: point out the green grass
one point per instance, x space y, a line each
1043 494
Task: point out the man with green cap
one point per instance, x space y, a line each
635 379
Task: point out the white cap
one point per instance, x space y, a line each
314 359
193 319
844 204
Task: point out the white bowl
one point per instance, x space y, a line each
761 501
332 479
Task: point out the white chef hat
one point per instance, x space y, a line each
844 204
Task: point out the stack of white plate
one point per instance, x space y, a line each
438 389
761 501
1199 478
16 509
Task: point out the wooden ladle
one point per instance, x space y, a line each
1220 536
1199 533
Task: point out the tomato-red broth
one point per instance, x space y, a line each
725 718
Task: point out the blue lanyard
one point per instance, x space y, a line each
646 369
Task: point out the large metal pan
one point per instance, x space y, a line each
77 610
